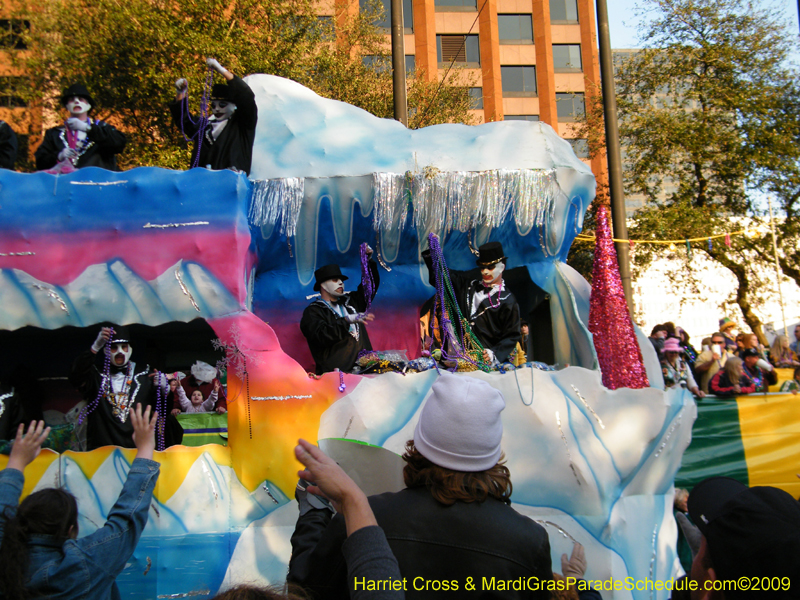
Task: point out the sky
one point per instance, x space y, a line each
622 21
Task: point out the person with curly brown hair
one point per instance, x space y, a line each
453 521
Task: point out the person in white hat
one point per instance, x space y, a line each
452 526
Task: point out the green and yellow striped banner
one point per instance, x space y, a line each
204 428
755 439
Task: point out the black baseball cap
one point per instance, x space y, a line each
749 531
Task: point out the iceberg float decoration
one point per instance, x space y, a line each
151 246
113 292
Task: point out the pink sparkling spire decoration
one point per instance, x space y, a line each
609 321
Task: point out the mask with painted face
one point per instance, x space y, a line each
222 110
120 354
492 275
334 287
78 106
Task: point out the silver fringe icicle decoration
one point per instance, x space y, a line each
391 206
442 201
277 201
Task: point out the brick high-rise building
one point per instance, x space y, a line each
526 59
523 59
14 110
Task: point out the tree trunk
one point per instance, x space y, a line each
789 270
742 293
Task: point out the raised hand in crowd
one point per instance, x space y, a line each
27 445
144 431
333 483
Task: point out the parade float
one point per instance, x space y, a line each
215 266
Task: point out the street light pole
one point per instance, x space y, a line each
613 153
778 274
399 63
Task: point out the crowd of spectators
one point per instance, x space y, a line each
451 524
711 370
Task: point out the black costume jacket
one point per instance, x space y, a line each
11 413
105 428
103 143
8 146
234 146
496 323
328 334
431 541
761 377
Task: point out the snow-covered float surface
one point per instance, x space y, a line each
151 246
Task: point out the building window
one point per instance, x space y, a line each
386 21
10 96
464 49
521 117
326 28
580 147
379 64
12 33
563 11
515 29
518 81
476 98
570 106
567 58
456 5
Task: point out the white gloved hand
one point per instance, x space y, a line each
102 338
764 365
77 124
368 250
214 64
67 153
355 317
181 85
575 566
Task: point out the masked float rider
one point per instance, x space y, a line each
81 141
335 323
227 139
126 385
490 308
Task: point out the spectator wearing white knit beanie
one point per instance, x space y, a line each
453 521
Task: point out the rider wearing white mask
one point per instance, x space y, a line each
335 323
81 141
489 306
112 386
226 141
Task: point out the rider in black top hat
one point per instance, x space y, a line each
334 323
226 141
111 396
489 307
81 141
